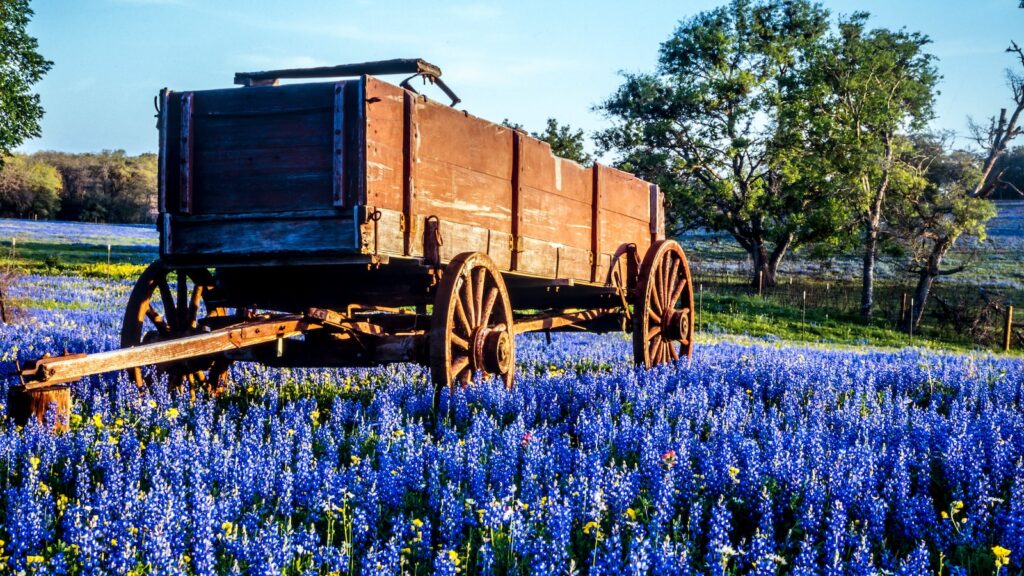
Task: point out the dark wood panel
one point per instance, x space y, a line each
617 229
265 193
266 100
263 236
287 131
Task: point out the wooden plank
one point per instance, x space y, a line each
408 171
552 260
186 147
281 132
338 156
555 218
595 223
385 145
212 238
625 194
165 103
544 171
551 321
517 194
60 369
295 100
355 105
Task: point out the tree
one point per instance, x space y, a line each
959 204
866 88
711 127
564 141
21 66
28 188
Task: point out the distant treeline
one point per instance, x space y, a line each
108 186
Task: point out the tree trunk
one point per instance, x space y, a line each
763 270
867 291
926 277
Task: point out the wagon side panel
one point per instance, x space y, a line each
463 178
387 161
624 213
555 214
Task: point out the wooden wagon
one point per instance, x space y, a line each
355 223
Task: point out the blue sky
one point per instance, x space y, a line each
524 60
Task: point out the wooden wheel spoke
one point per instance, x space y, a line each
652 332
193 306
485 315
460 315
678 291
157 319
652 289
654 316
480 275
183 300
670 285
468 300
459 342
459 363
673 352
167 299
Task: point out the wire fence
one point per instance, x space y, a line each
974 311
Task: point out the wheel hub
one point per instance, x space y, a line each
492 351
676 325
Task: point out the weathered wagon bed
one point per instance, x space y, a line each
328 206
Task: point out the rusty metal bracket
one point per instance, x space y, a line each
432 240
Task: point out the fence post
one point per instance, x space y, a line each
700 307
803 309
1008 331
903 310
910 319
760 282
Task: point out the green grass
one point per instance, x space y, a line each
762 317
86 260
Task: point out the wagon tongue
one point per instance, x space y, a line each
50 371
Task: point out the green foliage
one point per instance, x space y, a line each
564 141
21 66
712 125
29 188
861 91
109 186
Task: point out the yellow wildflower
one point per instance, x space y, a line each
1002 556
34 462
454 557
34 559
631 514
97 420
172 413
734 472
590 526
356 459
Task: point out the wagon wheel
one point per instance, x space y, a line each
663 315
166 304
471 328
622 276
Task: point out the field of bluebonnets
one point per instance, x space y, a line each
754 458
